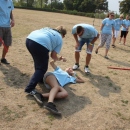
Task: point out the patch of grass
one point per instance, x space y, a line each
1 88
9 115
20 106
125 101
107 77
118 114
33 102
115 74
110 84
51 117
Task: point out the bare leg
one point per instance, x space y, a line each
106 52
57 91
77 56
5 52
124 41
88 58
114 39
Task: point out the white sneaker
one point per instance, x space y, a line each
75 67
86 69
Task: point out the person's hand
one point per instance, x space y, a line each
62 58
77 45
12 23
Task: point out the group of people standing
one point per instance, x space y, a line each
50 40
110 29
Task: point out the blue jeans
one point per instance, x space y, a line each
40 57
82 41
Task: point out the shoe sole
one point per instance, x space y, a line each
76 68
37 99
54 112
87 73
106 58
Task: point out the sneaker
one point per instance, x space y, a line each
113 46
38 96
106 57
52 108
86 69
4 61
75 67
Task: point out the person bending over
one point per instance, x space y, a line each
39 43
84 33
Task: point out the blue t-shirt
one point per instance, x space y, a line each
126 23
62 77
89 30
47 37
118 23
108 24
6 6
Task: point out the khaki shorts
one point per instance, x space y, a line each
44 79
5 34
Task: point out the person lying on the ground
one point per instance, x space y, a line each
55 81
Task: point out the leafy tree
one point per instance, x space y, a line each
86 5
124 6
68 4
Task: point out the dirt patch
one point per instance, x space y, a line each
101 103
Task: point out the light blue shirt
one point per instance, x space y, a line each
126 23
6 6
108 24
63 77
118 23
89 31
47 37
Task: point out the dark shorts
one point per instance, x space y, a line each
124 34
5 34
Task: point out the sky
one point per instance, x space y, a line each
113 5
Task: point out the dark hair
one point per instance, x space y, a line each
79 29
109 13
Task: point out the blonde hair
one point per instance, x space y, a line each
61 30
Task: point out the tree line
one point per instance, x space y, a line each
87 6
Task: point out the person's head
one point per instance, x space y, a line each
69 71
110 15
121 16
80 30
127 17
61 30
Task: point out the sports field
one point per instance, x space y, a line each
101 103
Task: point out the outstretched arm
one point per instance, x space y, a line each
79 80
52 63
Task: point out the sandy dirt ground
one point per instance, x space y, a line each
101 103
